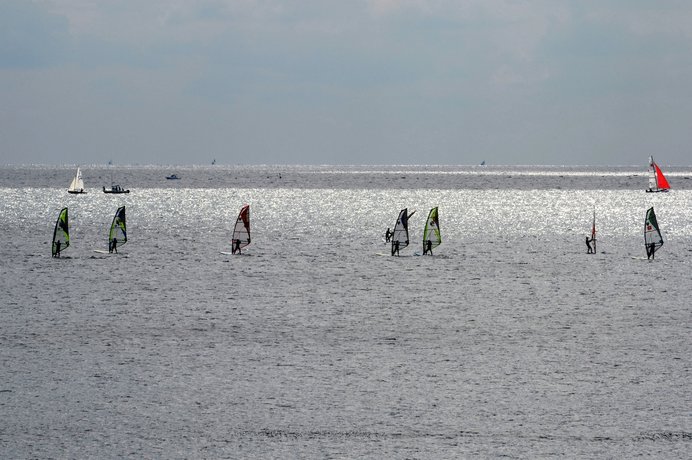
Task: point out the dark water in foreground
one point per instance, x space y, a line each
510 341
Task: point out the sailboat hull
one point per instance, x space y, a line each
115 189
76 192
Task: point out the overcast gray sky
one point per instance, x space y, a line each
346 81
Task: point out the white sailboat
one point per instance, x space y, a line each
77 185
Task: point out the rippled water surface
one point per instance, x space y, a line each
510 341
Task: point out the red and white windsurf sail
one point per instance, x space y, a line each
241 231
593 231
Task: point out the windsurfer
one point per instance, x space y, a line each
589 249
650 251
57 249
114 246
395 248
388 236
236 246
427 249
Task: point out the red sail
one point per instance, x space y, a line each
661 179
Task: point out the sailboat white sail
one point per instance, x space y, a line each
653 240
61 234
400 237
241 231
77 185
117 236
431 232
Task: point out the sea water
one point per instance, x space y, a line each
510 341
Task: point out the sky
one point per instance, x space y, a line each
575 82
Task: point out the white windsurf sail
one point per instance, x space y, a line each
117 236
61 234
431 232
241 231
400 235
653 240
77 184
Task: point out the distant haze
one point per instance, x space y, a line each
346 82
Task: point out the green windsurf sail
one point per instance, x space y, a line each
118 232
61 234
431 233
652 234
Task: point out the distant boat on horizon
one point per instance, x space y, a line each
115 188
77 185
172 177
657 181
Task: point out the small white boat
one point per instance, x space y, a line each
77 185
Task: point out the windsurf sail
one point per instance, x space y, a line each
241 231
652 234
400 235
118 230
431 232
593 232
77 185
657 181
61 234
